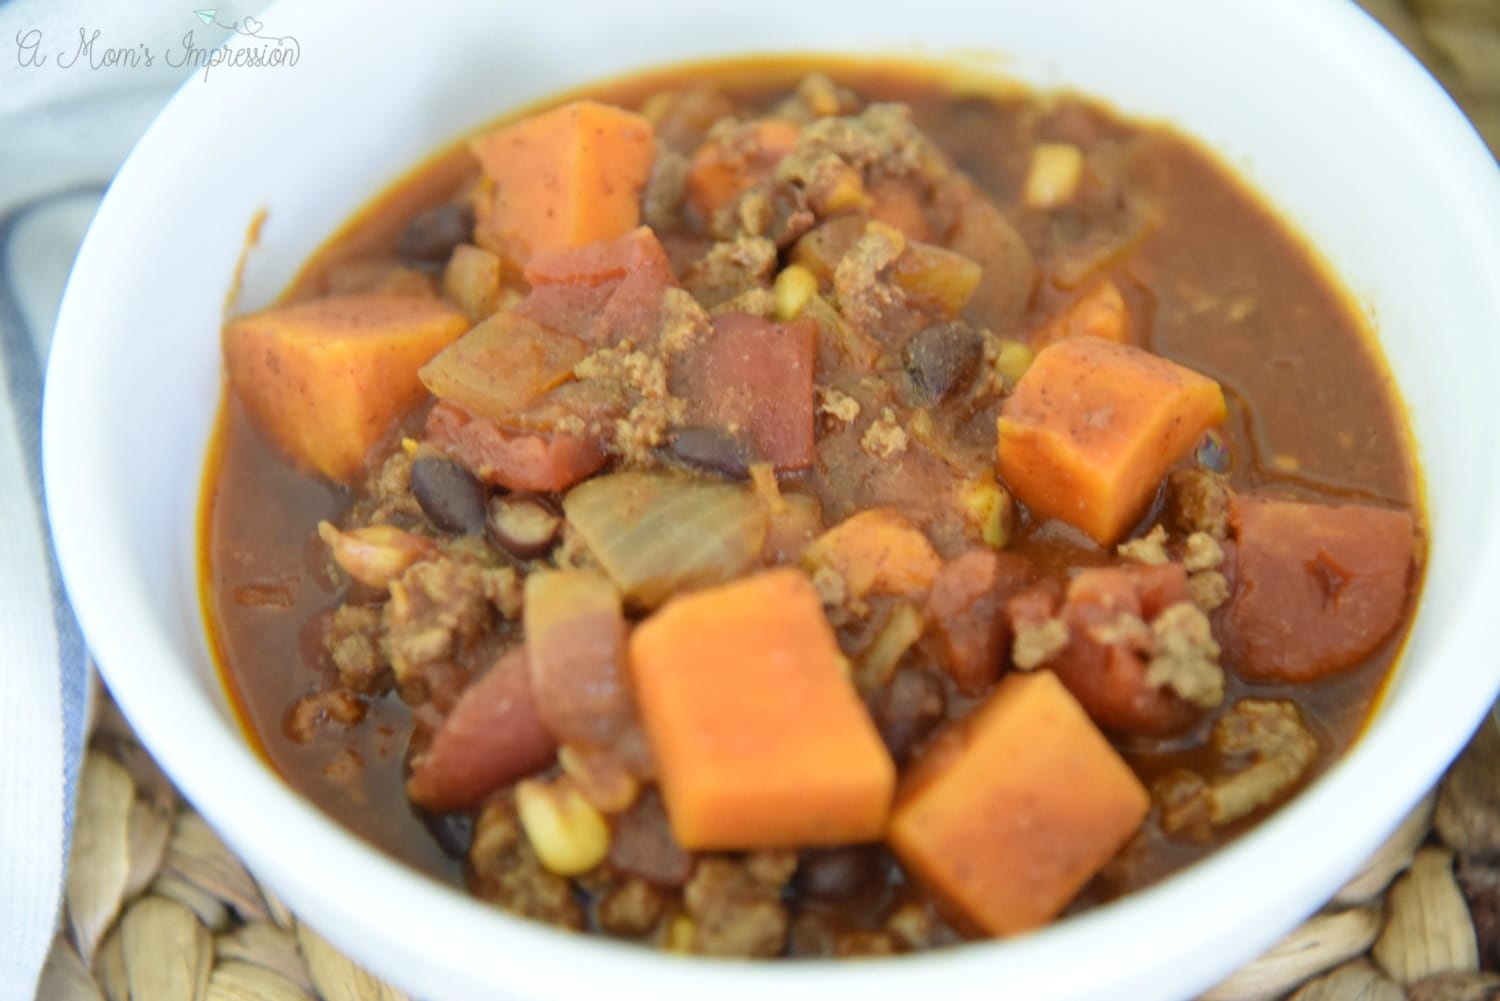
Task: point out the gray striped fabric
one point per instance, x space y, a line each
65 127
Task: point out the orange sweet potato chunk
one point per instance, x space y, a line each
877 552
324 379
759 736
723 169
562 178
1100 312
1092 428
1006 817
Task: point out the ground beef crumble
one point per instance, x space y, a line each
1272 736
1209 589
1201 552
505 871
840 406
388 499
355 643
661 202
684 322
630 909
1150 548
1036 643
311 712
735 905
437 610
817 97
643 374
884 437
1186 658
1198 501
731 268
864 295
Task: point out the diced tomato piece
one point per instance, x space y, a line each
493 736
601 292
965 614
568 309
756 376
1317 587
1108 677
602 262
518 460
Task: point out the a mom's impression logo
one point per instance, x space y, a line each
250 46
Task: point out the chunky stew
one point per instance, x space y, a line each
777 510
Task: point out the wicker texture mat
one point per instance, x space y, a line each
158 909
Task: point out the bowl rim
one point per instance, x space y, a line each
206 757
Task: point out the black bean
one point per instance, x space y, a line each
432 234
907 710
451 831
837 873
526 527
449 495
943 358
713 449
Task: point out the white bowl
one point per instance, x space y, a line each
1323 112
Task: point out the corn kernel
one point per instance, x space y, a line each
1012 360
794 287
409 446
848 192
680 934
569 836
1053 176
991 511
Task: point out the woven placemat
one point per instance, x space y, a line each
158 909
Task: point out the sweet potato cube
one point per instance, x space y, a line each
1008 816
1100 312
759 736
1093 427
563 178
324 379
877 552
723 169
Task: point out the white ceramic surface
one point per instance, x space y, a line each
1315 103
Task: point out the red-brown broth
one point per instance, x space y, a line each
1313 414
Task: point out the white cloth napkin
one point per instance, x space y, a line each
67 120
